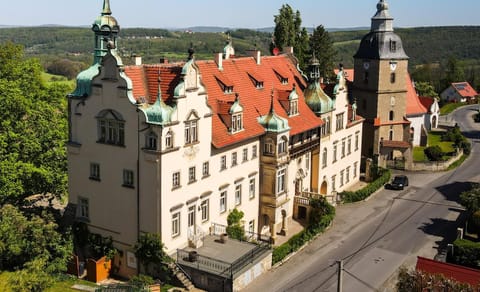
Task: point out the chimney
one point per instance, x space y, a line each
256 54
288 50
138 60
219 60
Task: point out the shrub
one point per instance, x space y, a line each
475 222
466 253
420 281
362 194
234 229
141 281
434 153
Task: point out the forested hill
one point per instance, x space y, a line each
423 44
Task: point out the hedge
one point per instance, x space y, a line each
298 240
466 253
362 194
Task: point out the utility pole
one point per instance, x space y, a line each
340 276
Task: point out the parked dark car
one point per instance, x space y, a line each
399 182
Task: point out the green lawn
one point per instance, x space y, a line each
450 107
60 286
50 78
434 138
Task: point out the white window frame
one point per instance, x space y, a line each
238 194
176 179
281 180
223 162
237 122
83 208
192 174
94 171
245 154
254 151
205 169
176 221
251 188
234 159
282 146
191 132
223 201
128 178
169 139
205 207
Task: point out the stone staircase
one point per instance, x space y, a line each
182 277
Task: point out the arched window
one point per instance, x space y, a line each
111 128
169 139
324 157
151 141
191 128
391 115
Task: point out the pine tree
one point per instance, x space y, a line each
322 46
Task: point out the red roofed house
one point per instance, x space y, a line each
460 92
458 273
173 148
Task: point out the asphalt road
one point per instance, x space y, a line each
376 237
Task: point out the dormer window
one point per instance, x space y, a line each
281 76
236 112
225 84
256 79
293 108
227 89
393 46
237 122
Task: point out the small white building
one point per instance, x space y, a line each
459 92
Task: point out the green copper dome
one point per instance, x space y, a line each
84 81
273 122
106 29
159 113
317 100
106 22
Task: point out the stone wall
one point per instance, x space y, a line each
436 165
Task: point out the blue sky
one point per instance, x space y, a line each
236 14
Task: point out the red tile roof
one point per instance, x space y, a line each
349 73
456 272
426 101
256 102
395 144
236 72
464 89
414 106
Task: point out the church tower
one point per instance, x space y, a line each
380 87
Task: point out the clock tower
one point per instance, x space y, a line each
380 87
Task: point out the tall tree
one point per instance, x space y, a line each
322 46
289 33
33 130
454 71
425 89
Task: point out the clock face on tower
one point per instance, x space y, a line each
366 65
393 66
